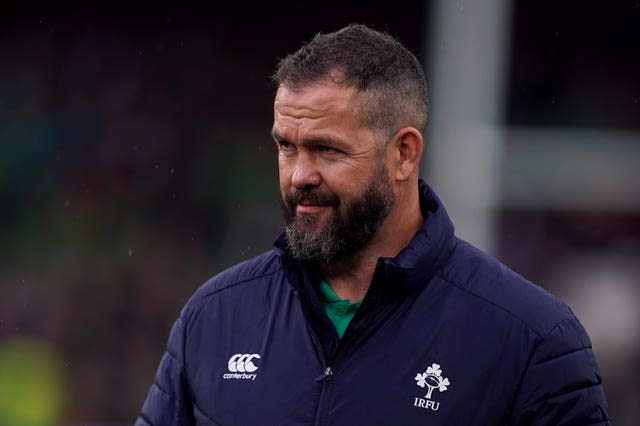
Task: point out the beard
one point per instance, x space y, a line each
352 224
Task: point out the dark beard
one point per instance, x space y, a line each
350 228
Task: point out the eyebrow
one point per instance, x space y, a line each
319 140
277 136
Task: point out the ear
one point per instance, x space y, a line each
406 145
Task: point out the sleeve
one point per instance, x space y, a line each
562 384
168 401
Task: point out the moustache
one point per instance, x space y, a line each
321 198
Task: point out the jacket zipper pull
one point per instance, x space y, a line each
326 375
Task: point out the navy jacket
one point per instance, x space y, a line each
446 335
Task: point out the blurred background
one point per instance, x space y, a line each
136 163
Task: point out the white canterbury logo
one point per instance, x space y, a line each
240 364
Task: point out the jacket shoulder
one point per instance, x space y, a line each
263 265
561 383
491 282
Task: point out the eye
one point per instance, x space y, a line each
327 149
285 146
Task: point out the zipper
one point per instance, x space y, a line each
326 379
327 374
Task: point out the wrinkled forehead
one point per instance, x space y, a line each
319 102
324 108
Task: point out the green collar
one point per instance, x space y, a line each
340 311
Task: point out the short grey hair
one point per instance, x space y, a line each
389 80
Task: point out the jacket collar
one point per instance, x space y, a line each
429 248
414 266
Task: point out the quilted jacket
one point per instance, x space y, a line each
446 335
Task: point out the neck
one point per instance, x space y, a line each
351 277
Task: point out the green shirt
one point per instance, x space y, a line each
340 311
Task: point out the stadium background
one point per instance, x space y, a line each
136 162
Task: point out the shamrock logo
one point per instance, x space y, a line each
432 379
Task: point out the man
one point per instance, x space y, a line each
369 310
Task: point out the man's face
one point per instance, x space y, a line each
334 182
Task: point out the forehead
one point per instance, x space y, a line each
317 102
322 112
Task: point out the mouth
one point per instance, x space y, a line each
309 208
311 204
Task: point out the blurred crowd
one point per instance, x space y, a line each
121 191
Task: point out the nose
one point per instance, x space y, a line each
305 172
